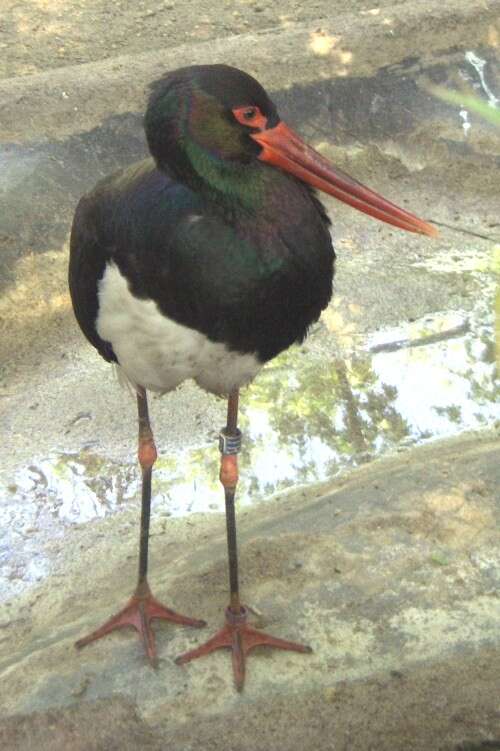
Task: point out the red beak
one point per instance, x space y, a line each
282 148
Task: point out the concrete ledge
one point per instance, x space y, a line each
391 574
77 98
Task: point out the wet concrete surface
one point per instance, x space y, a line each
307 418
390 569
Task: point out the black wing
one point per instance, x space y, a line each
104 219
87 261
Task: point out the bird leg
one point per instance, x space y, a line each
236 634
142 607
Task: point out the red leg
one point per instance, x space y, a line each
240 638
236 634
142 606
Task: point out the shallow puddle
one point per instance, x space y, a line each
304 419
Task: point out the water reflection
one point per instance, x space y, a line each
304 419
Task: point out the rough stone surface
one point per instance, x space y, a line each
391 574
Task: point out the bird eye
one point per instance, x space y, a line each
250 116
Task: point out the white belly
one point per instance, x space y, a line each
157 353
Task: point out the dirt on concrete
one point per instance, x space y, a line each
38 35
341 45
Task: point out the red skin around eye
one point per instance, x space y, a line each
257 121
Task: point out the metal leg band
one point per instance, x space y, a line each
229 443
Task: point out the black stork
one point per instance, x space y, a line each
205 262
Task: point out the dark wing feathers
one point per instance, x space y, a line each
86 266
